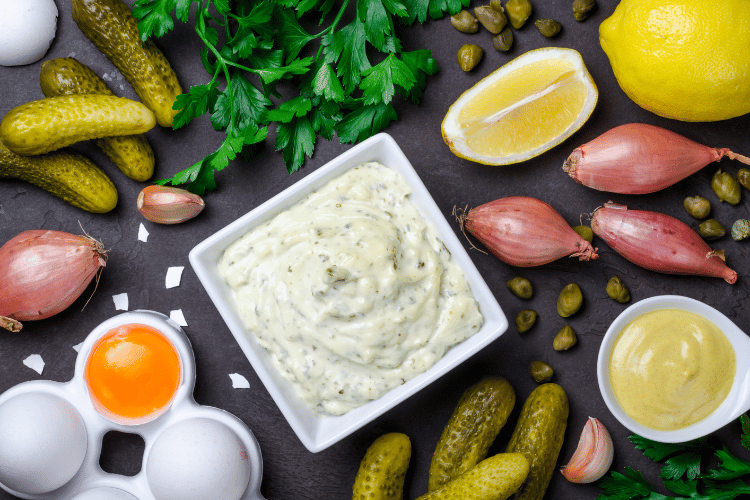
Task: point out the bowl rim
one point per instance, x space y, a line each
318 433
736 402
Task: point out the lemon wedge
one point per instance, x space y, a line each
522 109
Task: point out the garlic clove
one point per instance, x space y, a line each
168 205
593 456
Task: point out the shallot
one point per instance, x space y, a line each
43 272
658 242
524 232
593 456
637 158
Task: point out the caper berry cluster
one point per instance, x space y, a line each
498 20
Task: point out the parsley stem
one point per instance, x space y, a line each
332 27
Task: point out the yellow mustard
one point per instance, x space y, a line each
671 368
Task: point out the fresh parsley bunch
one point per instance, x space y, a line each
251 45
683 472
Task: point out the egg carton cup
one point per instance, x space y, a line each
91 482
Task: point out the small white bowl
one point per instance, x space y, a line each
737 401
317 432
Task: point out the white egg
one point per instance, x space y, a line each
198 459
104 493
42 442
27 28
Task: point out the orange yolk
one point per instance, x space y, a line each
133 371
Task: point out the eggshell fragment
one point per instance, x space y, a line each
239 381
174 275
35 362
121 301
27 28
142 233
178 317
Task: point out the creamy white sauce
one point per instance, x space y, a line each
350 290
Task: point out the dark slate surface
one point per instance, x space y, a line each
290 470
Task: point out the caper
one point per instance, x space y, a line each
584 232
697 206
582 9
540 371
495 4
525 320
518 12
548 27
743 176
503 40
741 230
521 287
711 229
469 56
565 339
617 290
570 300
493 20
726 187
465 22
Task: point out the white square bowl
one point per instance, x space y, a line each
317 432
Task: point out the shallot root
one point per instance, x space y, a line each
637 158
524 232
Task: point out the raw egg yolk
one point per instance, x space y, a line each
133 371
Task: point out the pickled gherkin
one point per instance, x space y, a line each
383 469
479 416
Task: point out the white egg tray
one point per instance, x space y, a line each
90 482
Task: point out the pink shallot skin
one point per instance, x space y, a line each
525 232
658 242
43 272
638 158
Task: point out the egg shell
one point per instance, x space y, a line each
27 28
42 442
198 459
104 494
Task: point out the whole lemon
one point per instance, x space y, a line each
682 59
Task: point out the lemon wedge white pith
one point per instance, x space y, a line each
522 109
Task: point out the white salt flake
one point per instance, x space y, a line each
142 233
121 301
178 317
77 347
106 77
174 275
238 381
122 87
35 362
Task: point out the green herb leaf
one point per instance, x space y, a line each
198 100
378 82
745 437
421 64
627 486
365 122
731 467
683 464
291 37
347 47
659 451
324 117
295 139
324 82
293 108
155 16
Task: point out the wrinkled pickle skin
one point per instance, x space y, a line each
541 372
565 339
495 4
503 41
741 230
525 320
585 232
493 20
383 469
469 56
465 22
711 229
479 416
697 206
582 9
726 187
521 287
548 27
617 290
570 300
518 11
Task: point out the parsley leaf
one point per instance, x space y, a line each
378 82
292 37
421 64
731 467
346 47
295 139
198 100
364 122
683 464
